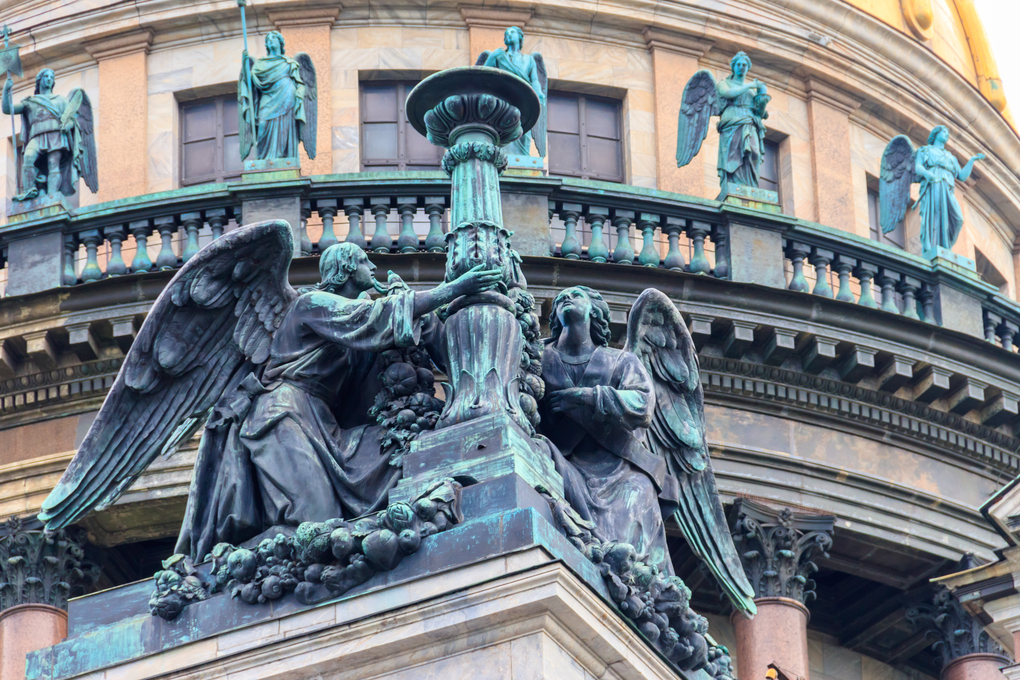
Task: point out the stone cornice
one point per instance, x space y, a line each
831 95
489 17
304 17
121 45
658 39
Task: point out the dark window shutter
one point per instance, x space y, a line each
388 142
768 172
210 145
585 137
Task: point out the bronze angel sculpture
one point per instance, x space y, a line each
530 67
282 381
61 144
277 103
740 105
937 170
629 430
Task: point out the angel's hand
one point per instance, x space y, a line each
979 157
244 57
8 84
562 400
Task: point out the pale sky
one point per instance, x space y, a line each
1001 19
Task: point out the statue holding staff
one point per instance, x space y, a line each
277 102
530 67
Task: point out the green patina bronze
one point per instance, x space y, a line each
529 67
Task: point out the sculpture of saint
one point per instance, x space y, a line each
61 144
740 105
277 102
281 381
938 171
530 67
629 429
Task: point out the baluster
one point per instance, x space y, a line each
354 208
571 246
720 237
407 242
624 253
217 219
843 266
69 278
166 226
306 243
908 289
91 238
820 259
140 229
596 218
1007 334
697 231
865 273
649 255
887 280
435 206
927 298
191 222
796 252
992 322
327 211
381 239
115 265
674 258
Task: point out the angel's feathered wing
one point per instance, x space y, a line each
482 58
85 142
221 308
656 333
700 102
539 131
307 130
898 174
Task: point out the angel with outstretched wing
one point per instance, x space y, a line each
61 144
530 67
937 170
740 105
281 381
277 103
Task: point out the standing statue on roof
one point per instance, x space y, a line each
277 103
530 67
60 146
740 105
937 170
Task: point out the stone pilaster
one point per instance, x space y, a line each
777 548
674 60
121 115
37 575
829 110
308 30
968 651
487 24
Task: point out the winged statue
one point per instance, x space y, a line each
282 382
530 67
277 103
61 146
937 171
740 105
629 430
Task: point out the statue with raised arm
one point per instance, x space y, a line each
60 146
740 105
530 67
277 101
629 426
281 381
937 170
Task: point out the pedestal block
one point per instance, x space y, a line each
777 634
26 628
283 208
981 666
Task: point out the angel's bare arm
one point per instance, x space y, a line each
475 281
728 90
965 171
922 171
7 99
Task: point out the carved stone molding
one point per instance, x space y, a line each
777 548
487 17
120 45
689 46
306 16
956 632
831 95
36 568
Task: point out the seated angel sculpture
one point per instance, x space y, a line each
740 105
629 430
938 171
280 380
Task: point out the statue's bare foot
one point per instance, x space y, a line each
28 195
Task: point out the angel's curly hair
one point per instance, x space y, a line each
599 326
507 33
737 57
279 36
337 263
39 77
935 133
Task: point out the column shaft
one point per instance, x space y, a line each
829 117
777 634
27 628
979 666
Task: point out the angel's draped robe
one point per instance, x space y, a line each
523 66
741 138
279 107
299 446
941 216
609 476
40 121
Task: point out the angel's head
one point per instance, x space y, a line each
277 38
513 36
345 262
740 64
44 81
580 304
939 133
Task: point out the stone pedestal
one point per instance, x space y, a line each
26 628
37 208
36 262
777 634
981 666
527 216
752 197
282 208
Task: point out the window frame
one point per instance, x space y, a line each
220 175
582 135
400 163
875 220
